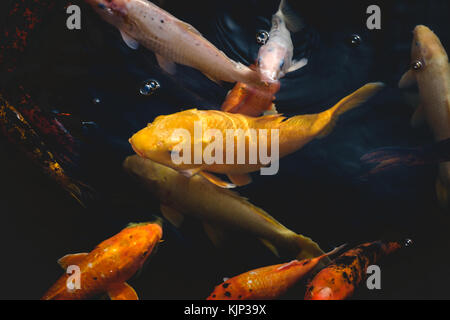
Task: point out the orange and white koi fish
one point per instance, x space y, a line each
172 40
167 137
266 283
109 265
430 69
339 280
275 57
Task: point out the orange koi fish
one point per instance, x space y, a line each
109 265
266 283
168 136
251 100
339 280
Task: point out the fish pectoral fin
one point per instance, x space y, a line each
272 110
130 42
418 118
220 83
172 215
240 179
408 80
269 245
190 173
166 64
71 260
122 291
215 234
296 65
216 180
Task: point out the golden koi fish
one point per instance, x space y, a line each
430 69
172 40
216 207
229 145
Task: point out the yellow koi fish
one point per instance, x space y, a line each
217 208
235 144
430 69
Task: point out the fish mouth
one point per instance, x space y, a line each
109 7
138 152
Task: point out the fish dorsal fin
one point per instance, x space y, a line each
72 260
172 215
269 119
130 42
188 27
122 291
288 265
217 181
348 103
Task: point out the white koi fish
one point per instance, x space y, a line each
172 40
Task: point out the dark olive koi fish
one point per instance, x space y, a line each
109 265
19 132
267 283
339 280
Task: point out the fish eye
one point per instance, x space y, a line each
259 62
417 65
282 64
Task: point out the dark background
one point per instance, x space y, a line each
316 192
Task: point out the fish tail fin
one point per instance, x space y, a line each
350 102
387 158
81 192
332 252
390 157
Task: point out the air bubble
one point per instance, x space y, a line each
149 87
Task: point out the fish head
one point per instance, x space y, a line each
114 12
141 239
167 137
426 49
274 58
272 61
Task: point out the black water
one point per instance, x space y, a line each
316 192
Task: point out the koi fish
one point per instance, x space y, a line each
266 283
172 40
275 57
20 133
169 136
430 70
219 209
339 280
251 100
387 158
109 265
